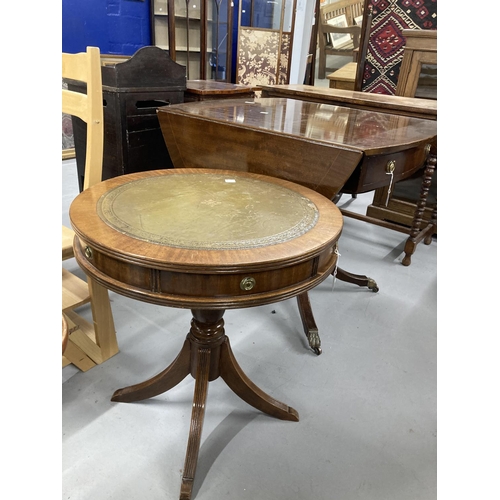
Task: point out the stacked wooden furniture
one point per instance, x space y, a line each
85 344
352 9
399 205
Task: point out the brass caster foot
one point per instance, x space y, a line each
372 285
314 341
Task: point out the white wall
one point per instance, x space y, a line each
304 19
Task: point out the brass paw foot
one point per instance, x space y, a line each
372 285
314 341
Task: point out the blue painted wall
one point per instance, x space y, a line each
115 26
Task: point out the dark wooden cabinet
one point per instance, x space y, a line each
133 89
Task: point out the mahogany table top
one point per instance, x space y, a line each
368 131
328 148
410 106
209 87
161 236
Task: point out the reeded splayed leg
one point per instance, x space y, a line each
211 357
168 378
242 386
197 418
205 336
206 354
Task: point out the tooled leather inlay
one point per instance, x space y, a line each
207 211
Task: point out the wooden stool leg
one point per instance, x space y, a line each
415 234
433 222
104 325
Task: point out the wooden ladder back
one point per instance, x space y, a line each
85 67
363 44
88 344
351 9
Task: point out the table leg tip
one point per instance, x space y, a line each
294 414
119 396
186 489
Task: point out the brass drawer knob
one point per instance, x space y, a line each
247 284
88 252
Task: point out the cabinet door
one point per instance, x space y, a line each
219 39
197 34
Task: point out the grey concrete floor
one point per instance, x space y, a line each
367 404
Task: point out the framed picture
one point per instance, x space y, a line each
338 40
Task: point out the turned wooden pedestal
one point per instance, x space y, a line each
206 240
206 355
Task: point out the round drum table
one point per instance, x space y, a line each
206 240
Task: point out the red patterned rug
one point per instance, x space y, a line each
386 44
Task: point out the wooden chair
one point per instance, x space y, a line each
87 344
420 49
351 9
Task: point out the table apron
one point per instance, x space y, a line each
373 171
210 290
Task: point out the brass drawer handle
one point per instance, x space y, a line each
88 252
247 284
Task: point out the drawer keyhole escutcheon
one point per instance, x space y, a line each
389 170
391 166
